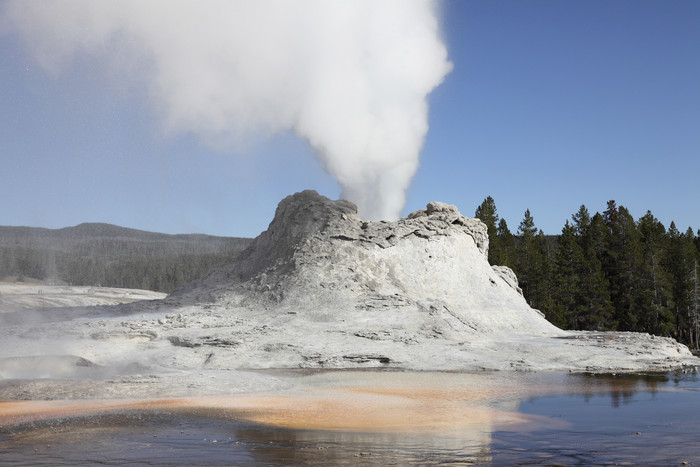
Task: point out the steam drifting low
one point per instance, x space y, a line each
350 77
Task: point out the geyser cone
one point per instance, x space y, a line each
321 288
318 255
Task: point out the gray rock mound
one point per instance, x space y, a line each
321 288
318 256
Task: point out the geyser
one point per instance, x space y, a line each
320 288
351 77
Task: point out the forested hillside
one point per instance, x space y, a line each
111 256
605 271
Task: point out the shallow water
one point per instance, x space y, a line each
445 419
634 420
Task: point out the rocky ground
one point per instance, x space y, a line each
320 289
16 296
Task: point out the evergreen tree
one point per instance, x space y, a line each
528 258
620 262
527 228
581 290
486 212
635 297
507 244
582 222
655 313
568 268
674 264
691 261
542 293
680 263
612 243
596 237
595 310
695 303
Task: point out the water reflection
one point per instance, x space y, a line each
292 447
350 418
194 440
648 419
621 388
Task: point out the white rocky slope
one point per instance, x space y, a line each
323 289
319 260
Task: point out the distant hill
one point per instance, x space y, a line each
112 256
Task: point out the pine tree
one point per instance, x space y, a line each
582 222
609 254
487 213
527 228
528 258
568 268
581 287
656 315
595 310
620 263
596 237
542 297
695 304
674 265
692 256
636 296
680 264
507 243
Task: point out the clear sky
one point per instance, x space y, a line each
550 105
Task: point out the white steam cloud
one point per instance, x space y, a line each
350 77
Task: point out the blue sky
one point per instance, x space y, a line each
550 105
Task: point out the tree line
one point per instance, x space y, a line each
604 271
111 256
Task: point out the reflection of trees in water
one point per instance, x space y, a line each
642 419
622 387
685 375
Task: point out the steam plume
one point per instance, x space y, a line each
350 77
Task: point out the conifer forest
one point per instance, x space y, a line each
111 256
604 271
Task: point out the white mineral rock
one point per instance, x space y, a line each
322 288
